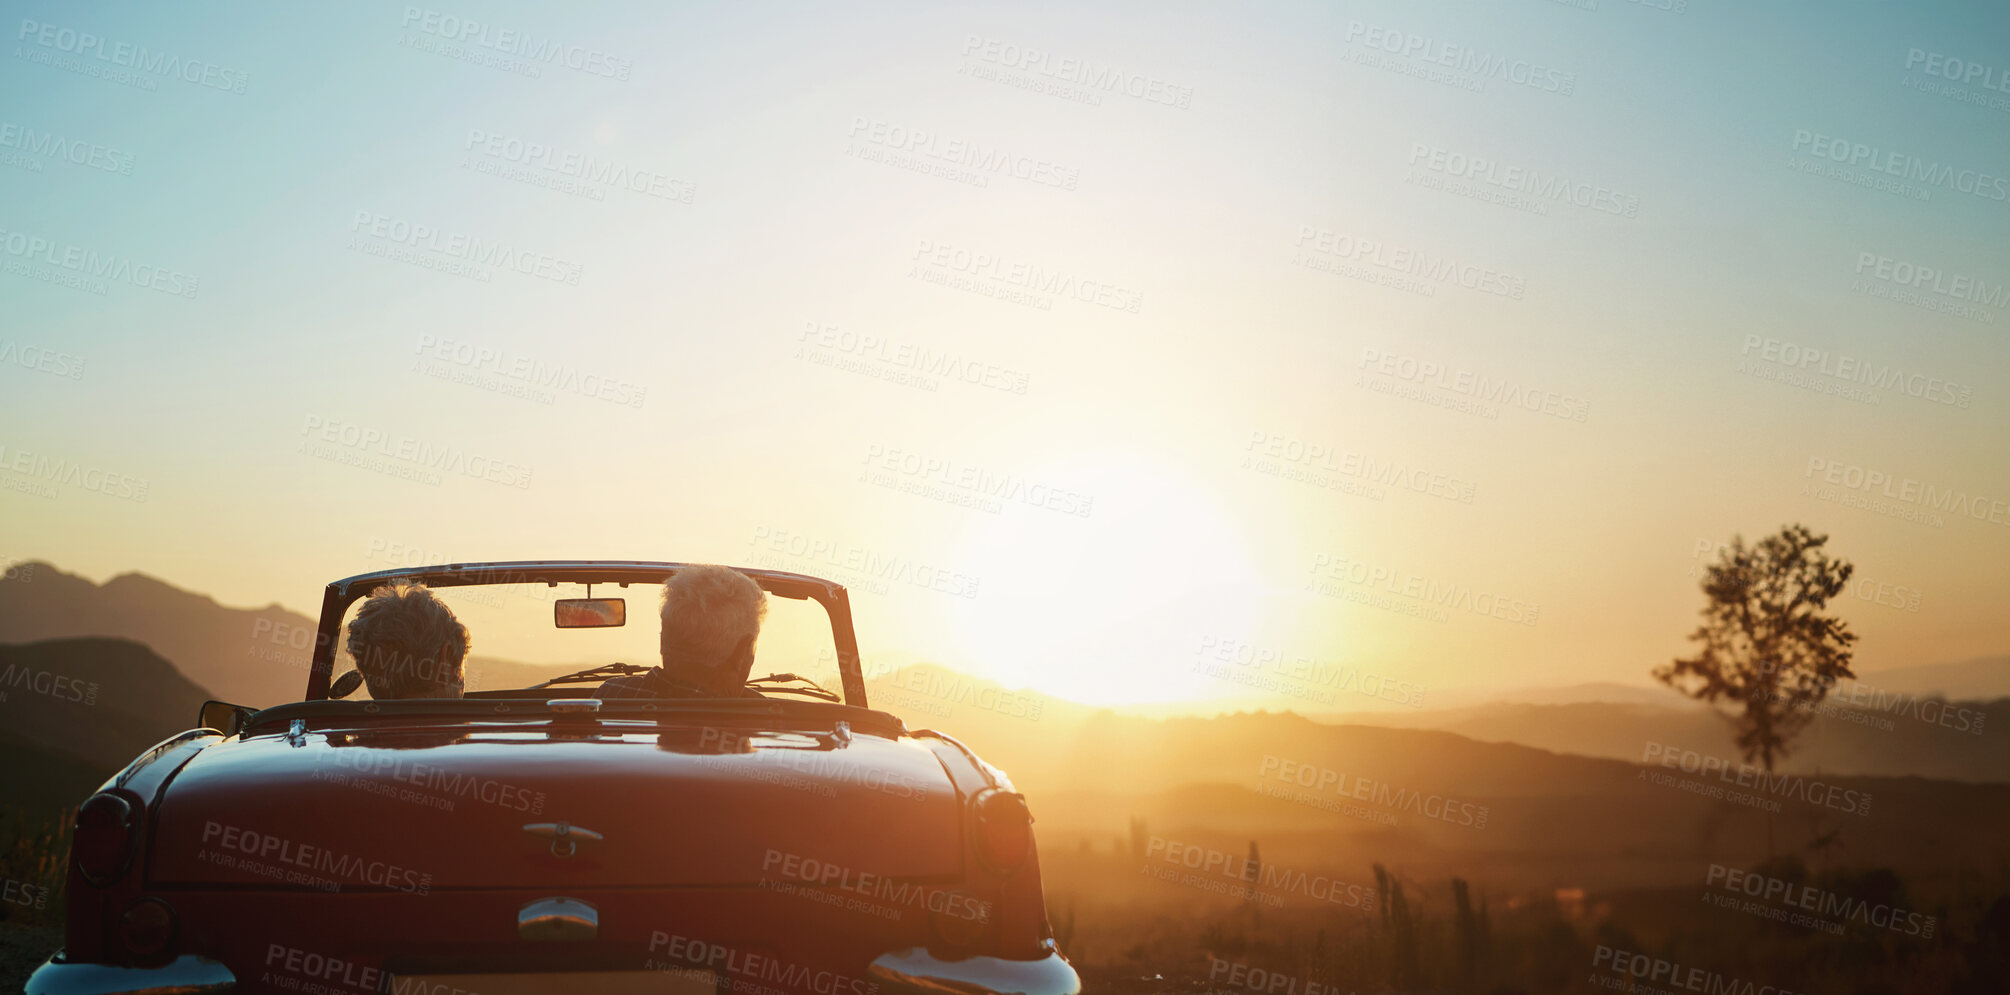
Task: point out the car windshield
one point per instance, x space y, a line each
514 642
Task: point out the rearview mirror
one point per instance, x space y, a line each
224 717
589 613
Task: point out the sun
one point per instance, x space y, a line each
1110 609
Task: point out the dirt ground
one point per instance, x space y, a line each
22 950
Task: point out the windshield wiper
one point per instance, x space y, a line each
814 690
600 673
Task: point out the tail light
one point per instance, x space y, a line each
148 927
106 834
1004 830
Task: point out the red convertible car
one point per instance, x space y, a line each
536 838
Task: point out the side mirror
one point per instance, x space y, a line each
346 684
225 717
589 613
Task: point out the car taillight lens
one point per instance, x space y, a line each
147 927
104 837
1004 831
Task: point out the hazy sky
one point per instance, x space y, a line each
1431 341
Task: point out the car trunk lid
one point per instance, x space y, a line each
416 807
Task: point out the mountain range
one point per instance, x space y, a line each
1893 722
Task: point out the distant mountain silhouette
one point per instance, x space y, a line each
1983 679
102 701
259 657
1569 694
252 656
1892 735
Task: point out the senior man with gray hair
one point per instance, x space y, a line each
711 618
408 644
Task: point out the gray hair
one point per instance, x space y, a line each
707 611
408 644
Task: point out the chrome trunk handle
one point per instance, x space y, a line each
558 919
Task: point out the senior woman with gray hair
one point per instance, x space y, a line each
408 644
711 618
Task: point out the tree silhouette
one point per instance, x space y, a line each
1766 643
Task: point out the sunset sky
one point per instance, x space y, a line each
1217 351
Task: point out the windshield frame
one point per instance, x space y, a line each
339 595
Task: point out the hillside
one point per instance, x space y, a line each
253 656
1895 736
100 700
1415 797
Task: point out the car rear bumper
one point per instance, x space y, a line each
904 972
916 972
185 974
